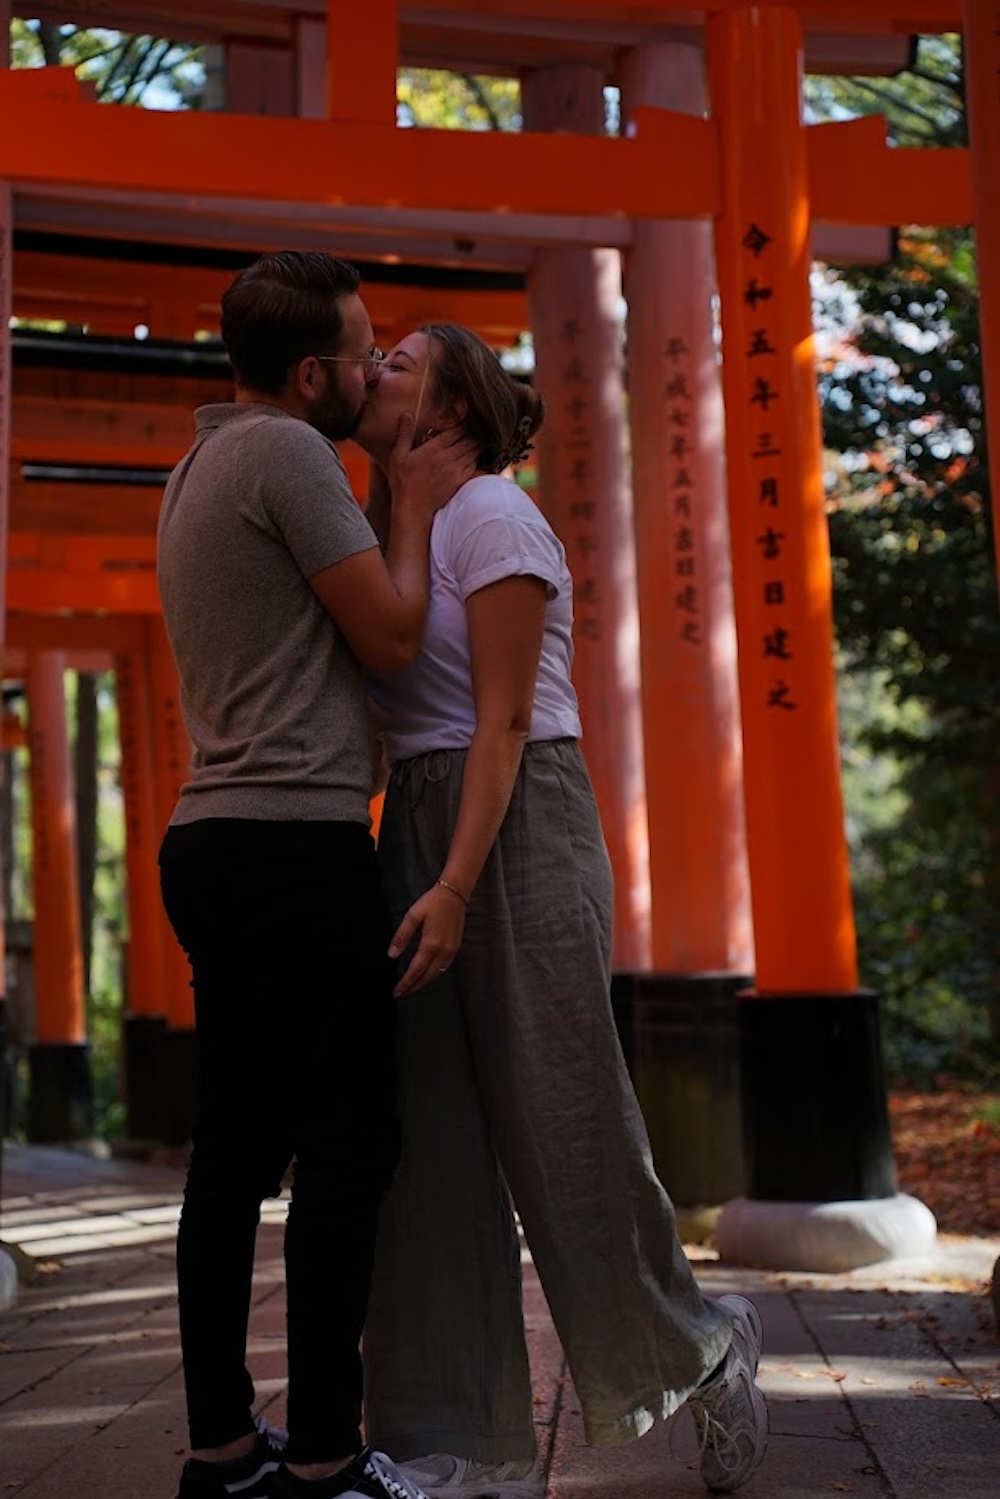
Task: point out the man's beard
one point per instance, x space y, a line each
334 417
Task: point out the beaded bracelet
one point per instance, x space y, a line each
445 886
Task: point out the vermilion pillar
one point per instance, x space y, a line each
584 490
810 1039
144 1019
361 60
60 1100
6 227
171 757
6 263
171 764
803 921
8 1275
685 1041
691 724
6 307
981 58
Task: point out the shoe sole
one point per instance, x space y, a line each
466 1486
509 1489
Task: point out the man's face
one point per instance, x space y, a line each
342 388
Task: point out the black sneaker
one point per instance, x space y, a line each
370 1476
251 1476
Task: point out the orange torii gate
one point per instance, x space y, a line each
760 178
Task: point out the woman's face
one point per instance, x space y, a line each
404 383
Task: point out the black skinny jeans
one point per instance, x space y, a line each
286 928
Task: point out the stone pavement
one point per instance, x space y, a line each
883 1383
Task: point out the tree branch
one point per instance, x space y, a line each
479 94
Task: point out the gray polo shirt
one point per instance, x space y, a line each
272 697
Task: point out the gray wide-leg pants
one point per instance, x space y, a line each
514 1086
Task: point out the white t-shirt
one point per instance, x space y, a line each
490 530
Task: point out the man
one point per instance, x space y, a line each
275 597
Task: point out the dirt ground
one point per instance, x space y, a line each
947 1149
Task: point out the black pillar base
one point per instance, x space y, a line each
142 1044
60 1098
815 1111
685 1044
179 1086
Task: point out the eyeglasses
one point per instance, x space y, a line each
371 360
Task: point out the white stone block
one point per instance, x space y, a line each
8 1281
825 1237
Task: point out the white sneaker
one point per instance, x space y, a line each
276 1437
730 1413
442 1476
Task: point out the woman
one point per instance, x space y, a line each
514 1085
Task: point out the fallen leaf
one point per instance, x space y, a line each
948 1157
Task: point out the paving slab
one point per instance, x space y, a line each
883 1383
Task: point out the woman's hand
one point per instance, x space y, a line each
439 917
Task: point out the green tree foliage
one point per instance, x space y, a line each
121 69
923 106
126 69
434 98
915 600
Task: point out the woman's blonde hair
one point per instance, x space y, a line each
498 412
